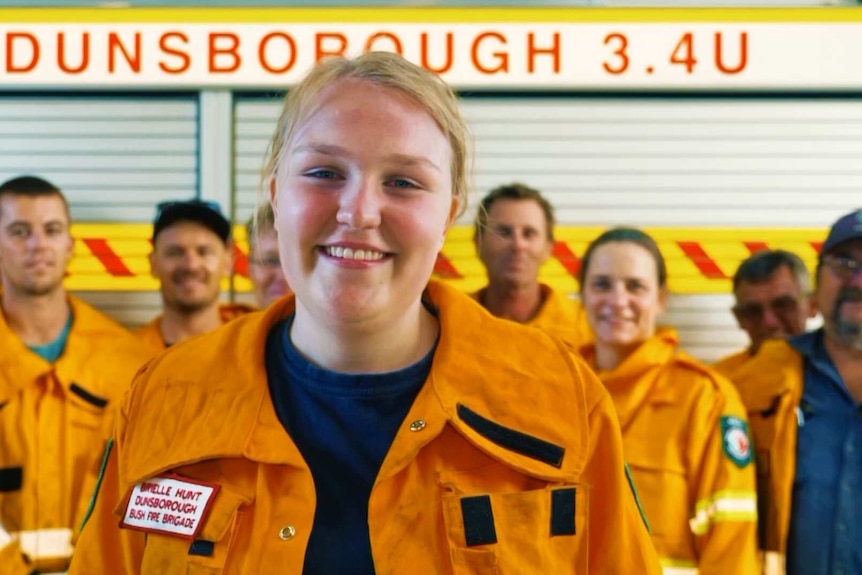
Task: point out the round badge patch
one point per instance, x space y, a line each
735 441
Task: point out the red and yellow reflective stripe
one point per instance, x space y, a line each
113 257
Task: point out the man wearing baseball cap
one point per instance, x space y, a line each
804 399
192 252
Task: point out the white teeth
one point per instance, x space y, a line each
351 254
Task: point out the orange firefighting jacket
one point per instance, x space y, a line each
728 366
559 315
151 332
507 414
771 385
685 440
50 417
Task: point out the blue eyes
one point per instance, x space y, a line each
322 174
327 174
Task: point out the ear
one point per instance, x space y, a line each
453 213
70 248
227 267
662 300
273 196
737 318
811 300
153 263
547 250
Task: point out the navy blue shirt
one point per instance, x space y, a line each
826 523
343 424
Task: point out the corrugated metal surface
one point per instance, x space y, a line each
711 162
115 158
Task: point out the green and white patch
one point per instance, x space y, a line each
735 441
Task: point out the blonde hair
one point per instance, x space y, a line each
382 69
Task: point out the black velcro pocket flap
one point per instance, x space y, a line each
100 402
478 520
512 439
202 547
563 511
11 479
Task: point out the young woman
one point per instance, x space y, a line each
685 433
373 423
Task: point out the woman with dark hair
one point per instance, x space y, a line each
685 433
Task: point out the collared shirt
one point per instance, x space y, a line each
826 523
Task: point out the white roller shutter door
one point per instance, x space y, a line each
113 157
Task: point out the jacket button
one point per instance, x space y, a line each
417 425
287 533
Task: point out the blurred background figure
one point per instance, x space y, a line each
804 395
685 433
772 289
62 365
192 253
514 236
264 263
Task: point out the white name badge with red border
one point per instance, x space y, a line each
169 504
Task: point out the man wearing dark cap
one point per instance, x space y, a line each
192 253
804 399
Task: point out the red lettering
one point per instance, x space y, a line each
392 37
85 53
449 50
320 52
261 53
147 487
163 46
215 51
620 52
743 54
10 43
684 52
532 51
134 61
502 57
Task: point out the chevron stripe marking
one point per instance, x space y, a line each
699 257
754 247
107 257
444 268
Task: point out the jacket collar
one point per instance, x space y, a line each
774 370
19 366
220 406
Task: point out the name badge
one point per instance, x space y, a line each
169 504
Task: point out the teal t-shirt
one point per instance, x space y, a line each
50 352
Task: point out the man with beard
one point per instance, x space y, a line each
192 253
804 398
514 236
772 289
62 366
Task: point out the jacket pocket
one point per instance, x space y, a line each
210 550
524 532
86 410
